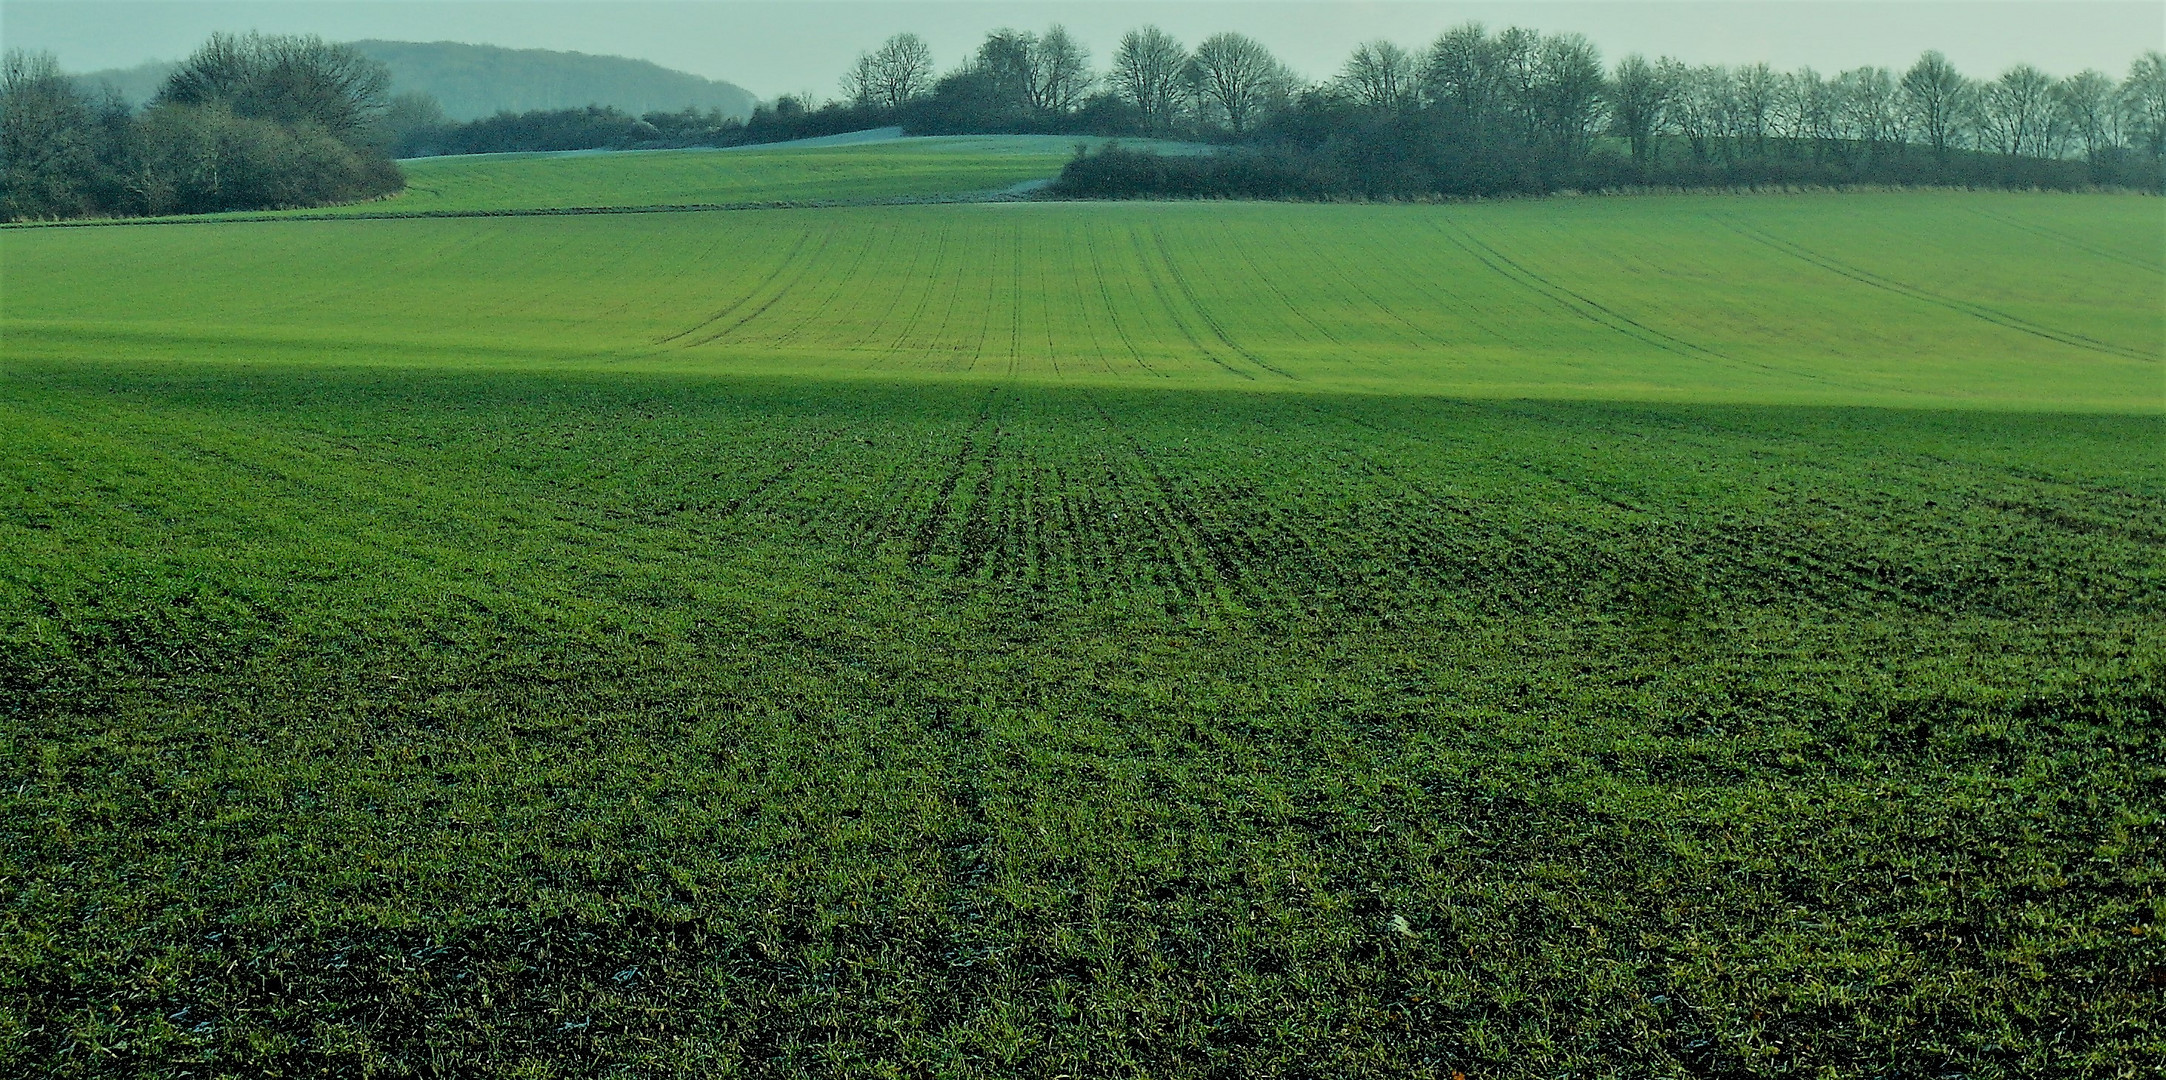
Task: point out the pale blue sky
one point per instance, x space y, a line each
783 47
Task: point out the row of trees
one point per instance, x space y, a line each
248 122
1518 109
1020 79
1720 113
255 121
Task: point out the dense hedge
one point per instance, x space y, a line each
247 124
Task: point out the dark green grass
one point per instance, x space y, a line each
401 722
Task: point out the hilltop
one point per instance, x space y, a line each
473 81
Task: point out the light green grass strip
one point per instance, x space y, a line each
2003 301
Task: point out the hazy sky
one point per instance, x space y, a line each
774 48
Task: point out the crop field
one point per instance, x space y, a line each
1899 300
1658 637
899 169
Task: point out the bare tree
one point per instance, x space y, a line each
2085 102
901 69
1060 72
1147 73
284 79
1935 98
1753 92
2016 112
1699 109
1006 62
1380 75
1463 76
1238 79
1638 95
2143 103
1870 107
1516 53
47 152
1568 92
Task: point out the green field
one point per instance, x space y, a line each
1694 636
935 167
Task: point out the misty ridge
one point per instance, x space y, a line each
468 81
261 122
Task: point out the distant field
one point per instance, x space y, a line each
899 169
1668 637
1891 300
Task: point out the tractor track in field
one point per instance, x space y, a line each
2063 238
1218 329
1594 311
838 285
1015 306
760 487
1174 315
1465 554
1351 289
925 298
778 288
937 513
1113 310
1247 256
733 306
1571 302
1977 311
1830 578
1222 563
917 255
958 199
1076 289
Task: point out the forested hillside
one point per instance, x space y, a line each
473 81
249 122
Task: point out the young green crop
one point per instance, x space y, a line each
1655 637
1899 300
931 168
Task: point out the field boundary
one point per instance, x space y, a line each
1004 195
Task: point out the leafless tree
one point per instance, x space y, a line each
2016 112
1568 92
1006 61
2143 103
2085 101
1148 72
1700 109
1060 72
1463 76
1753 91
1935 99
1870 107
899 70
284 79
1380 75
1639 94
46 155
1238 79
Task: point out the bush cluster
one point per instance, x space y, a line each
247 123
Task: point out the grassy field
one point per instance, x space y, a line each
901 169
1887 300
1665 637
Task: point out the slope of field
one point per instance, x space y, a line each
1709 637
915 168
1902 300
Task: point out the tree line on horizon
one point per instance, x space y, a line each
253 122
1480 112
1475 112
248 122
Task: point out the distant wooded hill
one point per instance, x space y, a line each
473 81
